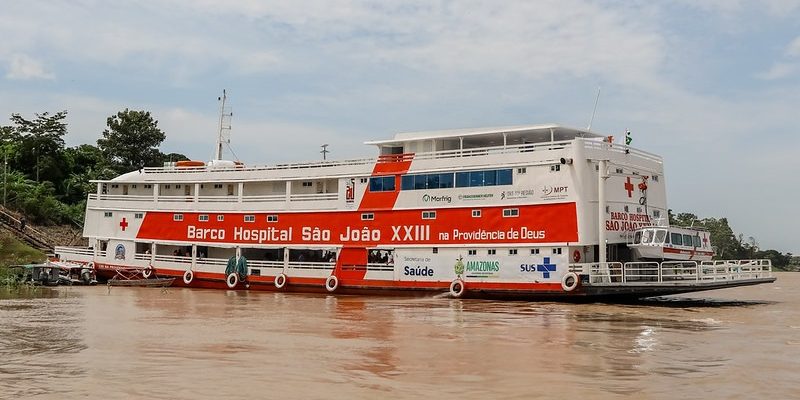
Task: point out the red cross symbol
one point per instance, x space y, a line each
629 187
705 241
123 224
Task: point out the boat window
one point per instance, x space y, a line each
687 240
647 236
676 239
637 237
381 184
661 234
696 241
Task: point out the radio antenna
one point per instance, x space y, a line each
224 135
596 99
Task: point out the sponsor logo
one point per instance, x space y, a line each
119 252
482 269
437 199
350 191
554 192
419 270
517 194
459 266
546 267
479 196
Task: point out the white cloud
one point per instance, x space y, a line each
778 71
793 49
23 67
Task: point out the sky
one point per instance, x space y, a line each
712 86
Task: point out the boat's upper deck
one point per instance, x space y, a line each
467 148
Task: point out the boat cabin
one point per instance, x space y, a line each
671 243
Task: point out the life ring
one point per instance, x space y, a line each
232 280
569 281
457 288
148 271
280 281
576 256
332 283
188 277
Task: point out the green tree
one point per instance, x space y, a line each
40 147
131 140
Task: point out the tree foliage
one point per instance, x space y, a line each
131 141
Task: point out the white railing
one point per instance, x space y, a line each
311 265
315 196
265 198
672 272
622 149
78 251
264 264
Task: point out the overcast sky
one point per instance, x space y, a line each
712 86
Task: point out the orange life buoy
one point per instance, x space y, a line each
576 256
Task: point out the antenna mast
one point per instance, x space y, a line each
225 116
596 99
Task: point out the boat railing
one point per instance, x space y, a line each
218 199
431 155
311 265
264 264
672 272
264 198
314 196
621 148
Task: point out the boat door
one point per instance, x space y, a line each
124 190
187 190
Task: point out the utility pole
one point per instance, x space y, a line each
324 151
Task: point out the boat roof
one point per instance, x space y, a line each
540 132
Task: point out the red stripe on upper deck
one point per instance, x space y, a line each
389 164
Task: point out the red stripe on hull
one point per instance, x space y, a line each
208 280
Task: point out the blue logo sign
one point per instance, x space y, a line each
546 268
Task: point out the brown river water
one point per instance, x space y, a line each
92 342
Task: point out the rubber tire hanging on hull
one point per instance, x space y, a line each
569 282
188 277
457 288
232 280
86 276
332 283
280 281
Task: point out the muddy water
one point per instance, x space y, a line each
205 344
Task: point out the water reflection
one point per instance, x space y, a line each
235 344
40 331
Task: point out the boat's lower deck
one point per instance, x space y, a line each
587 282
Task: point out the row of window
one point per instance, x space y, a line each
445 180
507 212
511 252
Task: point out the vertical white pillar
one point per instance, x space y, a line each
288 193
196 192
241 192
602 175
